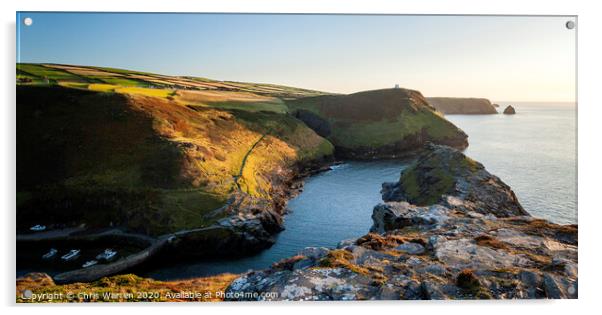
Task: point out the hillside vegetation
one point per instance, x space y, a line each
145 162
380 123
198 91
157 154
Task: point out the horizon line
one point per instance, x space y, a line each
294 86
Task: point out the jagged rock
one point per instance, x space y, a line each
552 288
532 283
411 248
432 291
299 285
345 243
442 171
314 253
395 215
435 269
509 110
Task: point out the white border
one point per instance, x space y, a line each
589 71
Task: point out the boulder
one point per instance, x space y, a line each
396 215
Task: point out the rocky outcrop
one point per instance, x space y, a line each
457 248
435 254
386 123
443 171
464 106
509 110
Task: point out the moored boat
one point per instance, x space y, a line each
71 255
89 263
50 254
37 228
107 254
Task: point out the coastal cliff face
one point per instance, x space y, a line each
463 106
454 248
376 124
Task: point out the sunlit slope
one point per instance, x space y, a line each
145 162
376 123
185 90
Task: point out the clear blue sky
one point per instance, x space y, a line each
500 58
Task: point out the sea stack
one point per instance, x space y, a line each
509 110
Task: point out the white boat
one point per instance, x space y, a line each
108 254
51 253
37 228
90 263
72 254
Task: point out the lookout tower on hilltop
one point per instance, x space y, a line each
396 86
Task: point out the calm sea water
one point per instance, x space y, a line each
334 206
533 151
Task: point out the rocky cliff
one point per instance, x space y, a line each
442 171
464 106
376 124
455 247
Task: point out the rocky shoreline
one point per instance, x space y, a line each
473 242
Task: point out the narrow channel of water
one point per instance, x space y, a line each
334 206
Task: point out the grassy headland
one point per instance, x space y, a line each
376 123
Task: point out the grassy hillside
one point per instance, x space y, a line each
144 161
399 119
185 89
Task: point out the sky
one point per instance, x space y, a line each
500 58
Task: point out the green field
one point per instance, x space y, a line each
105 79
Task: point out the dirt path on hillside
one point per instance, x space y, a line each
244 160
